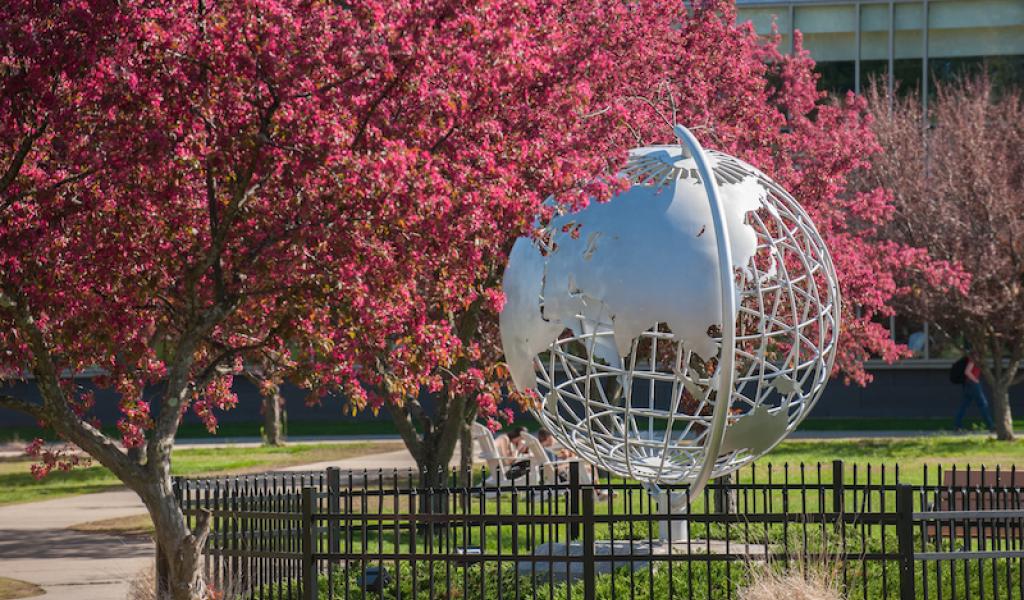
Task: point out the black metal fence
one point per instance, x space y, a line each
955 533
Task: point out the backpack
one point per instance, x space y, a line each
957 373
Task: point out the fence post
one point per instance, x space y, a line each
309 572
905 537
574 498
838 488
333 508
589 585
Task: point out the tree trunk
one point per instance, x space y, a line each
433 470
725 500
1001 413
466 455
181 576
273 411
434 485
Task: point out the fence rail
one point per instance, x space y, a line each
333 535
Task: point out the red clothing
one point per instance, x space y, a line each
972 371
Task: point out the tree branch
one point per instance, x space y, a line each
452 427
403 422
30 408
55 186
364 123
19 157
161 441
55 408
229 353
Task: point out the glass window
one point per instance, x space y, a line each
941 345
913 334
1005 71
873 70
837 77
908 46
968 37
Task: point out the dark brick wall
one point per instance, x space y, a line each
894 393
248 409
902 393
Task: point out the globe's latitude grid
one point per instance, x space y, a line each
787 325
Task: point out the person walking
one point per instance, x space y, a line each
967 372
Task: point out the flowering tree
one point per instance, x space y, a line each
169 208
188 188
327 190
744 97
957 191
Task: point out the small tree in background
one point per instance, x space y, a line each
957 182
267 373
746 98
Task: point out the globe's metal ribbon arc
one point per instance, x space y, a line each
727 353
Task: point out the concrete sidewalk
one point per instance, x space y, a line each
879 434
36 545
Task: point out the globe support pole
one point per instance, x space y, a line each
727 354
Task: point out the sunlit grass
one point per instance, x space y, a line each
18 485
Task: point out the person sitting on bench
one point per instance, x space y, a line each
510 445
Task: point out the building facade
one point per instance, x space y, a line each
907 46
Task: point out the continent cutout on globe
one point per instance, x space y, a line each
647 256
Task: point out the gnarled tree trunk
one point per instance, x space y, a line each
999 369
179 547
725 497
431 440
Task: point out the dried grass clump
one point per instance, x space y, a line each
143 585
770 584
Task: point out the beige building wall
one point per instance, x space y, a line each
956 28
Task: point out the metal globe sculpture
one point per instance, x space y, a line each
643 355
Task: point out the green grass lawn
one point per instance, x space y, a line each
330 427
18 485
910 454
871 579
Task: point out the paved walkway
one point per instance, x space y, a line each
37 546
872 434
